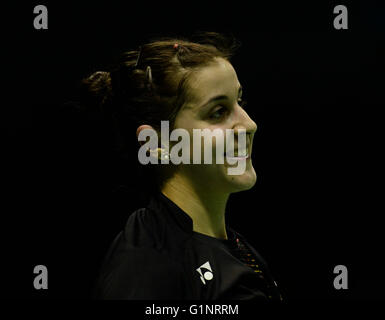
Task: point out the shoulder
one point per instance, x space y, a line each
146 228
140 264
142 228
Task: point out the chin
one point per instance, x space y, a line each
242 182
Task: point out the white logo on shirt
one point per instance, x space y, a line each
208 275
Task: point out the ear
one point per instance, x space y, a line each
140 128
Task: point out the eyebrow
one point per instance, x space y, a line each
220 97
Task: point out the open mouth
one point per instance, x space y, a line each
238 157
239 154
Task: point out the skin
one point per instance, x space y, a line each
206 202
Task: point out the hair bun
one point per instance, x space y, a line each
96 90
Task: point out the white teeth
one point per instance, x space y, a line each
236 156
245 153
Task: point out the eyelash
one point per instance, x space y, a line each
212 116
241 102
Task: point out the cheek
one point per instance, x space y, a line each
185 120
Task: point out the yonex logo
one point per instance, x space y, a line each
205 275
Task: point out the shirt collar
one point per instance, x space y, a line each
159 202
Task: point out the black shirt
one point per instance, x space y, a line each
159 256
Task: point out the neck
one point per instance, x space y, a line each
205 207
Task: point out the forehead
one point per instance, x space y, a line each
217 78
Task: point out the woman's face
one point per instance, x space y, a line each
202 111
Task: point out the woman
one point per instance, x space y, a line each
179 246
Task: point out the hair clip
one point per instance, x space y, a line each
148 77
137 59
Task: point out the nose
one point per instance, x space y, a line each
243 121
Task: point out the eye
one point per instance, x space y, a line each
242 103
219 113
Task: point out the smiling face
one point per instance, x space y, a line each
213 102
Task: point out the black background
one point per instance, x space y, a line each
317 96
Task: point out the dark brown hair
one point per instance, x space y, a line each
126 97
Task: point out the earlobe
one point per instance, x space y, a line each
139 129
160 153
